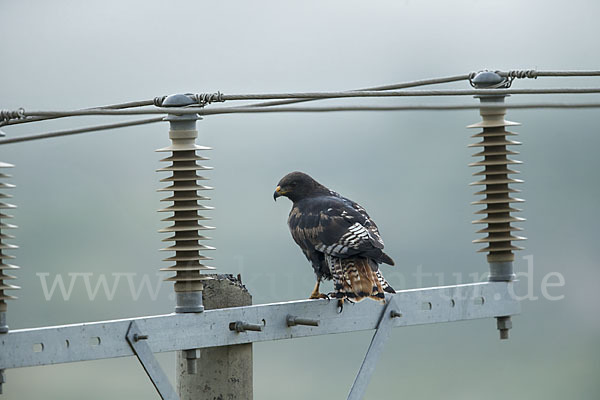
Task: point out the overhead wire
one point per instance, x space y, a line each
69 132
309 95
292 98
417 83
141 103
118 106
252 110
510 74
407 93
230 110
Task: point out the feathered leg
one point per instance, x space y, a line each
316 294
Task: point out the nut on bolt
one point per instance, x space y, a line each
190 357
504 325
2 379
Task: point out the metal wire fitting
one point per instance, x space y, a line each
7 115
186 227
200 99
207 98
505 78
523 73
489 80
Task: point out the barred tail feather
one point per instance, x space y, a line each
354 279
384 284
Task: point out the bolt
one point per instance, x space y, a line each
191 356
504 324
395 314
2 379
241 326
137 337
292 320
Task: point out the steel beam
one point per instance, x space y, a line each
137 341
381 336
106 339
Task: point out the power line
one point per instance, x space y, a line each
150 102
252 110
81 130
509 74
445 107
243 109
108 110
422 82
407 93
534 74
291 98
112 106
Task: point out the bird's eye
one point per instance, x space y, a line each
293 184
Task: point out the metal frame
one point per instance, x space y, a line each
106 339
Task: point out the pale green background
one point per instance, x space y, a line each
87 203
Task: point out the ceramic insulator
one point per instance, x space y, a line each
187 229
4 247
497 181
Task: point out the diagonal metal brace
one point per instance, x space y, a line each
382 334
142 350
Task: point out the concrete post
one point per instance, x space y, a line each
223 372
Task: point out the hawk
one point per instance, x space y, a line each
338 237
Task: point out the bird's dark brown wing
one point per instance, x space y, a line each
331 225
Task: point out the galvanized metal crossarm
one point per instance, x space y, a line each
100 340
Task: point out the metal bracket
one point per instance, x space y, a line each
382 334
142 350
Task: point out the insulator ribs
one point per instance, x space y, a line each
186 227
496 177
4 247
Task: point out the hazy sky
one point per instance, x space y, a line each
88 203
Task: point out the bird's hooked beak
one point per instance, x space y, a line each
278 193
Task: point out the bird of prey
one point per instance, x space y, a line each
338 237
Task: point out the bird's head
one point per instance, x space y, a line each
296 186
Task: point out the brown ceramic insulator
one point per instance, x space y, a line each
187 229
4 247
497 178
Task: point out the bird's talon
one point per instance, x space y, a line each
340 305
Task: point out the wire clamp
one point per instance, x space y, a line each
489 80
207 98
7 115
